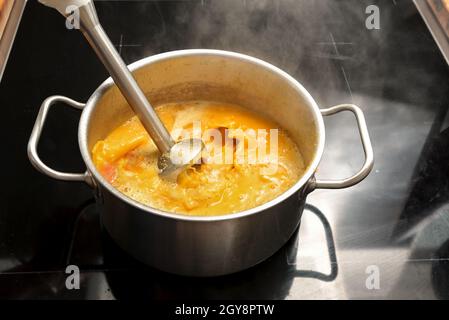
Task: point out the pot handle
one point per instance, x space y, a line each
34 141
367 148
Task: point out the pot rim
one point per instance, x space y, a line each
98 93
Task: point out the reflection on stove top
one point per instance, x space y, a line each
430 192
108 272
440 272
272 279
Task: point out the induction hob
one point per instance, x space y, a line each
394 225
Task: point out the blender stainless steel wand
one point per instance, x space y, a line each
175 157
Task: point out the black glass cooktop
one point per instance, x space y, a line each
386 238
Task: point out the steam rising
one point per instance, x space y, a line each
318 42
324 44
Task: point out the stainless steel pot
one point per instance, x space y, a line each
204 246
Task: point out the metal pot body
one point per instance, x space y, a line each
200 248
204 246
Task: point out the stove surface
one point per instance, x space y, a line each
393 227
